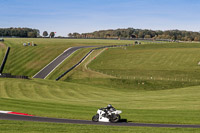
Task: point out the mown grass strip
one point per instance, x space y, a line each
39 127
78 101
29 60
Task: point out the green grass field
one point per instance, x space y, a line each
2 51
77 101
151 83
29 60
157 60
35 127
149 67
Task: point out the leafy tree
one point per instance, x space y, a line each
76 35
133 36
70 35
19 32
197 39
130 32
107 35
45 33
52 34
118 34
147 36
141 34
32 34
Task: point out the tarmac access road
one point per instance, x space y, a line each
4 116
43 73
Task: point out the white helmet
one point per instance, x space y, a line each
109 106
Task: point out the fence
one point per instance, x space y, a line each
185 78
4 60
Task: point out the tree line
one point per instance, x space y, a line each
131 33
19 32
46 34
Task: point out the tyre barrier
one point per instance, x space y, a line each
126 45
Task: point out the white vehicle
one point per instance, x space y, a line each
104 115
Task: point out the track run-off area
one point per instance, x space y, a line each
4 116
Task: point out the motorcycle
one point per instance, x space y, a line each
107 116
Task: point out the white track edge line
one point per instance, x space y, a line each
59 64
88 56
5 112
51 62
95 56
85 59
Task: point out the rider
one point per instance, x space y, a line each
110 108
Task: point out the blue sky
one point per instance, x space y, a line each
65 16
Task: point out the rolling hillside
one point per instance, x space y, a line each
28 60
149 67
76 101
151 83
2 51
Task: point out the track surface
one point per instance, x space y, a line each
56 62
56 120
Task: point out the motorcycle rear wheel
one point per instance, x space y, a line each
115 118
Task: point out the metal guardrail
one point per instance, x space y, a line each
4 60
86 57
8 75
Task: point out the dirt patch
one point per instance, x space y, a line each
2 45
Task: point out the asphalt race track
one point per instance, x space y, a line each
56 120
56 62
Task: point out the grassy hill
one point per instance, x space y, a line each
155 60
149 67
2 51
76 101
29 60
152 83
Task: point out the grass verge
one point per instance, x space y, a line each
38 127
78 101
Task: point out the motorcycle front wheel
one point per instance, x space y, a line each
115 118
95 118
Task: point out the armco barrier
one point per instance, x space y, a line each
8 75
88 55
4 60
